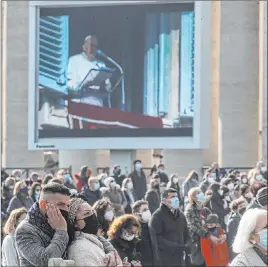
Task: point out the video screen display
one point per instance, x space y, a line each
115 71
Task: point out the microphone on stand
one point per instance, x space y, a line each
102 54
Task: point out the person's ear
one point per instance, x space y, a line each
42 204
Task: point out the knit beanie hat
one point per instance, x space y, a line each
75 204
212 218
262 196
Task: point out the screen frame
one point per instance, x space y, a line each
201 133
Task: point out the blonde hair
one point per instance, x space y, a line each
192 194
17 187
11 223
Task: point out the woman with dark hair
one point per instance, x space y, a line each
86 246
105 215
47 178
35 191
128 190
191 181
245 193
153 172
174 183
152 196
123 235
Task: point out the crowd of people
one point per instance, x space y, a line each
136 220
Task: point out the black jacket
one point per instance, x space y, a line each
171 235
92 196
153 199
126 249
139 183
231 229
163 177
217 206
119 178
128 208
147 246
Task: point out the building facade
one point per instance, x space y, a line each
238 129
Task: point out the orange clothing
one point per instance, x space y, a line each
215 254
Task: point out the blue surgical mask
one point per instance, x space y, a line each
67 177
175 203
259 177
96 186
201 197
139 166
263 239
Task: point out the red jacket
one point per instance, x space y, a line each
79 183
215 254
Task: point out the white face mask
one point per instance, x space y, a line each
126 236
211 180
146 216
109 215
230 186
113 185
130 186
175 180
263 169
244 181
227 198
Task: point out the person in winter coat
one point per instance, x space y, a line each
238 208
162 174
191 181
86 247
117 175
9 251
115 196
130 195
251 239
35 191
138 178
123 235
196 226
147 245
217 204
215 254
171 230
21 197
174 183
91 190
153 195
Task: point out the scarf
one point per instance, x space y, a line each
39 220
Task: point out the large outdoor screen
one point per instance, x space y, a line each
126 76
116 71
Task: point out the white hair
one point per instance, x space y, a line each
246 227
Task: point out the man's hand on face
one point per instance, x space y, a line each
55 219
112 259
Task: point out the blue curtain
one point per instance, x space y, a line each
162 60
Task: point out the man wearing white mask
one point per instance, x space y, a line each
91 190
147 245
138 178
17 174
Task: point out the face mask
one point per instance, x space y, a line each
244 181
156 186
24 191
146 216
65 214
37 194
263 169
175 203
11 188
126 236
211 180
230 186
109 215
263 239
67 177
227 198
130 186
118 172
258 177
175 180
212 229
213 175
96 186
138 166
201 197
220 192
92 225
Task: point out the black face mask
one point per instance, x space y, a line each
65 214
118 172
157 186
92 225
